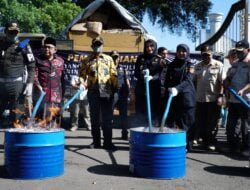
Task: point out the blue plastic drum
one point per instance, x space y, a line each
158 155
34 155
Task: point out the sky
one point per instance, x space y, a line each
170 41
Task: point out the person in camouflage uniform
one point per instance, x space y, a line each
100 72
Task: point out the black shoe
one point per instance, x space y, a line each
111 147
95 146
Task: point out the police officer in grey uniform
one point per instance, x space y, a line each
238 76
15 57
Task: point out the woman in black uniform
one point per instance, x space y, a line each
151 61
179 82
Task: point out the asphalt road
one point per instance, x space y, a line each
98 169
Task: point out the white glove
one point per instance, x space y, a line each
150 77
28 89
155 77
173 91
74 81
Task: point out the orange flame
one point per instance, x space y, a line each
54 111
18 111
42 122
48 120
17 124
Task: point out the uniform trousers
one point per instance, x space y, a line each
238 125
100 116
182 117
12 98
123 115
207 116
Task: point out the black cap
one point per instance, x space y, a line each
241 45
50 40
114 53
12 26
97 41
206 50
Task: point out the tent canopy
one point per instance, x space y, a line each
112 16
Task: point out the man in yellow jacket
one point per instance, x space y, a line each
100 74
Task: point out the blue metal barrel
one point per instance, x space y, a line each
34 155
157 155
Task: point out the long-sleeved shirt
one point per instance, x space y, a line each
101 75
49 75
180 76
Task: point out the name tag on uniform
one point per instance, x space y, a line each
105 71
30 57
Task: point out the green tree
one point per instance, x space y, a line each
39 16
174 15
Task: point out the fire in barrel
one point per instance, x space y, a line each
34 153
34 148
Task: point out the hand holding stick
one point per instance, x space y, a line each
240 98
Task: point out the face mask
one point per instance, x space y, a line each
97 49
240 55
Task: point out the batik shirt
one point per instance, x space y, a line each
101 75
49 74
